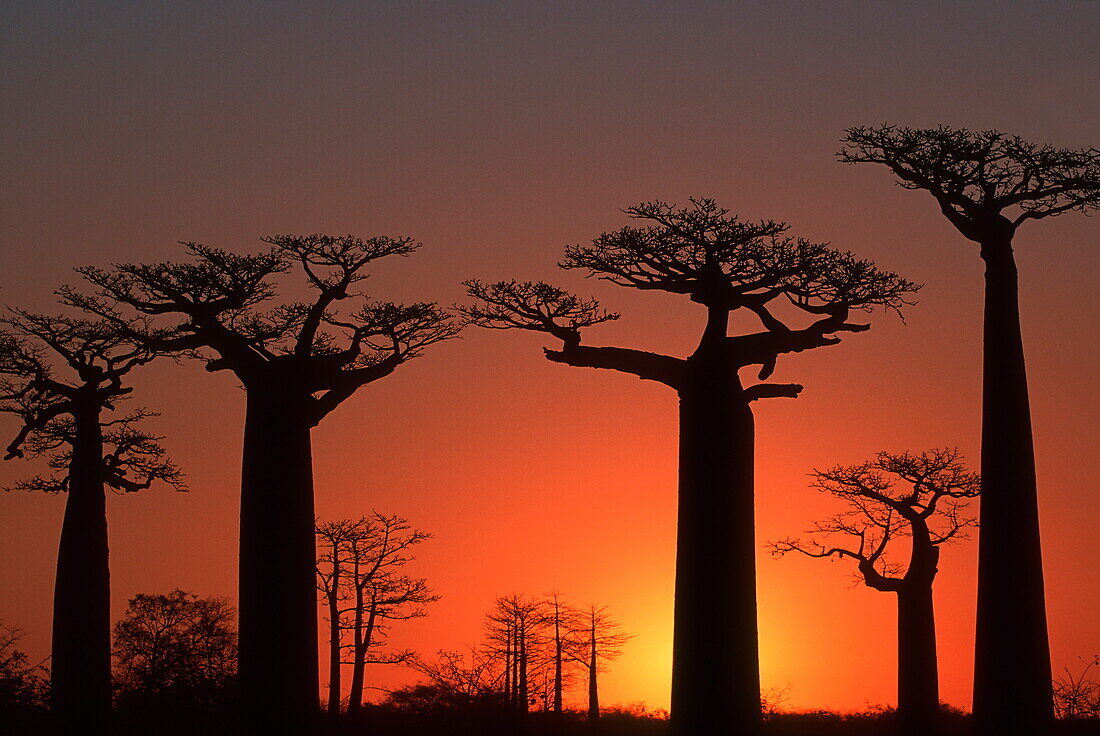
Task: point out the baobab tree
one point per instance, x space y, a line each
332 559
297 361
516 632
560 618
726 265
359 574
987 184
919 497
596 640
60 376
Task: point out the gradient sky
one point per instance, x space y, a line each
496 133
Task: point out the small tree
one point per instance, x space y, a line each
23 686
596 640
987 184
726 265
297 362
176 651
1077 696
59 376
922 498
456 680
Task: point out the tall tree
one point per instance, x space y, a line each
919 497
297 362
59 376
332 561
379 593
987 184
516 627
596 640
726 265
560 618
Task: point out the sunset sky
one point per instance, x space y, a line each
497 133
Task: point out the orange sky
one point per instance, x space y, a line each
497 133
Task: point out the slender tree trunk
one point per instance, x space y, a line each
278 610
523 693
334 685
1012 675
715 661
557 663
593 688
359 660
80 676
514 695
508 664
918 678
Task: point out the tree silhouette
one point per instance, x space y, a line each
23 686
987 184
297 362
176 651
726 265
358 573
59 376
332 560
559 619
921 498
516 633
596 640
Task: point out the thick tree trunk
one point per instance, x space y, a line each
334 685
278 609
715 661
1012 675
80 676
593 688
918 678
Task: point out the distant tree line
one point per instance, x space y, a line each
536 650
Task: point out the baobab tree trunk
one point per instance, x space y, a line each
278 614
593 688
508 664
363 638
1012 675
918 677
334 685
557 664
523 694
80 677
715 660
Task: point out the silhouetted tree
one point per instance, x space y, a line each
365 576
23 686
332 543
726 265
516 629
463 677
297 362
59 376
987 184
1077 696
176 651
560 618
922 498
596 640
